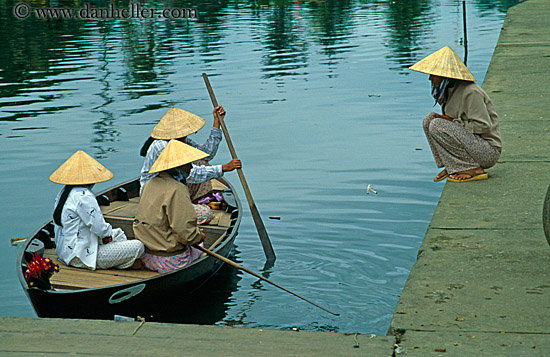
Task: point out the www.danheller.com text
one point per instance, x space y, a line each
22 11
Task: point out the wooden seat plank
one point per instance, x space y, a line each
127 211
225 220
215 218
113 207
218 186
82 280
77 278
220 219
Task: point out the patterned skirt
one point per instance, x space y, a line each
164 264
204 213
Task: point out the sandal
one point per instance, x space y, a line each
473 177
442 177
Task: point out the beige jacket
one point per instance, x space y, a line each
166 221
472 108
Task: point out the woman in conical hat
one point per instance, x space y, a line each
179 124
465 138
166 221
83 238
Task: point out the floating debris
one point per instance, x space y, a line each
355 340
374 95
398 349
369 189
15 241
277 218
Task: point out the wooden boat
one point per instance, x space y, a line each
102 294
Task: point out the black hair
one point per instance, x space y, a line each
175 173
60 204
172 172
146 145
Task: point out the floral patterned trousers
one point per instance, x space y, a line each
456 148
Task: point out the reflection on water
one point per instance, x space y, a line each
211 302
409 26
320 105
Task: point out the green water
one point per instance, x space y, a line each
320 105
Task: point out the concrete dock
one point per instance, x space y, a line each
480 286
32 337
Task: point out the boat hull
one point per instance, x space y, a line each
128 299
139 298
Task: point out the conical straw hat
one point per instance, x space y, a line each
177 123
444 63
176 154
80 169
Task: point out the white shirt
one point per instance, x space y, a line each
83 226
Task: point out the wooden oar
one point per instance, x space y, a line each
238 266
264 238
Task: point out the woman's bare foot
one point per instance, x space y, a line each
440 176
464 175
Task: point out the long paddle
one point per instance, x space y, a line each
264 238
238 266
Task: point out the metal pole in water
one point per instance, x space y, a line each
465 32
